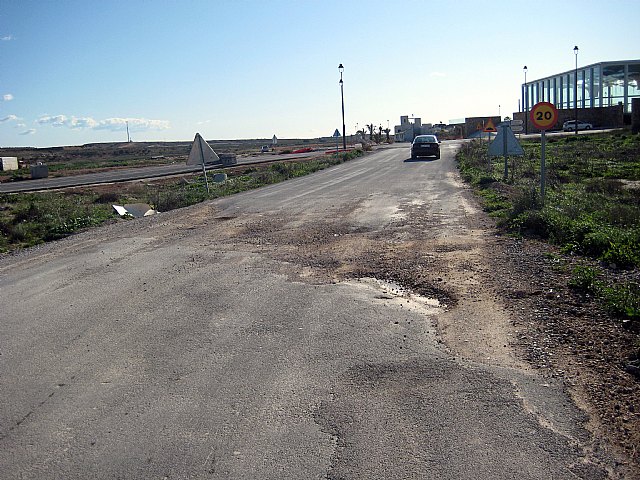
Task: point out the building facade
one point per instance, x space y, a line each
604 84
408 130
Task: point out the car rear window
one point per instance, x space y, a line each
427 139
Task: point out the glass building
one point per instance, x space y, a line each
602 84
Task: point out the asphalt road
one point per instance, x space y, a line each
218 342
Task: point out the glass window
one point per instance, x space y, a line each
588 88
560 94
633 87
612 85
595 87
580 86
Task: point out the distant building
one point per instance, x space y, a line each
603 96
407 130
8 163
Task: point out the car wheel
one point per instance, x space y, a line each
588 127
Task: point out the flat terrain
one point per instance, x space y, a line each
353 323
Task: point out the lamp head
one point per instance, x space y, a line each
575 50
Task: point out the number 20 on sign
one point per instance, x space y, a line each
544 115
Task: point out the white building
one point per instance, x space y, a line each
408 130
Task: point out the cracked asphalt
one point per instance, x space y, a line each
335 326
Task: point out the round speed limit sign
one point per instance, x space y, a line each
544 115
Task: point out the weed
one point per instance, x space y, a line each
584 279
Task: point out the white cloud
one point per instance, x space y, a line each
31 131
6 38
8 118
56 121
135 124
112 124
7 97
83 122
20 125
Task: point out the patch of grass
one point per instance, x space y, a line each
591 209
30 219
621 299
494 202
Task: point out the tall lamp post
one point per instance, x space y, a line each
525 102
344 138
575 50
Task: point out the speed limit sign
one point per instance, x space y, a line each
544 115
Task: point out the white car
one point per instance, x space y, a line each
570 126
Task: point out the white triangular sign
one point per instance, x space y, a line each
201 152
510 144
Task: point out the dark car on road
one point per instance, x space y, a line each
425 146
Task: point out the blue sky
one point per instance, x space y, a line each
74 72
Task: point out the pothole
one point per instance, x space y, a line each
391 293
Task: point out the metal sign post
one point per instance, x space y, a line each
544 116
204 171
202 153
505 144
336 135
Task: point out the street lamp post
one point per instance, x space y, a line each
575 50
525 102
344 138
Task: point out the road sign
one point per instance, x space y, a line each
505 144
490 127
517 123
544 115
336 134
517 128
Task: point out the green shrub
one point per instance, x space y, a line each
531 222
584 279
609 186
623 300
624 255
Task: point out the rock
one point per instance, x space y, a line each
633 368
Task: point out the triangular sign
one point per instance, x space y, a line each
489 127
201 152
505 143
336 134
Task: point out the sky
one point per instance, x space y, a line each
77 71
